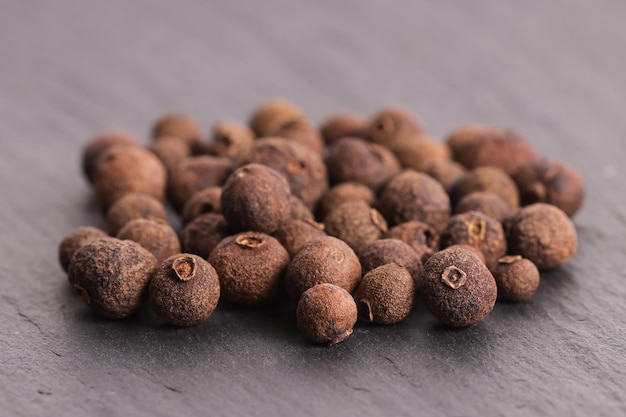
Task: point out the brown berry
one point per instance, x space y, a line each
447 172
75 240
171 151
486 202
201 235
419 152
343 193
133 206
185 128
293 234
231 140
422 238
341 125
298 210
202 202
271 115
356 223
302 133
391 126
156 236
101 143
517 278
387 251
488 179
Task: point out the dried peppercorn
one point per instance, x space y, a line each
355 160
101 143
447 172
542 233
326 314
195 174
293 234
387 251
517 278
323 260
185 128
457 287
356 223
489 179
75 240
341 125
485 202
184 290
551 182
258 280
476 146
133 206
419 152
256 197
231 140
304 170
472 249
385 294
413 195
343 193
479 230
302 133
156 236
298 210
422 238
271 115
202 234
391 126
122 170
202 202
170 151
111 276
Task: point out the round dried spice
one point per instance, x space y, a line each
326 314
294 234
391 126
195 174
232 140
388 251
170 151
341 125
323 260
101 143
356 223
304 170
343 193
273 114
488 179
418 152
447 172
201 235
385 294
551 182
298 210
472 249
479 230
185 128
413 195
354 160
303 133
457 287
486 202
202 202
184 290
258 279
256 197
133 206
158 237
517 278
422 238
111 276
122 170
542 233
75 240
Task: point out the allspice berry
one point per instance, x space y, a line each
271 115
552 182
388 251
419 152
185 128
133 206
251 267
298 210
75 240
413 195
101 143
343 193
201 235
170 151
294 234
202 202
341 125
478 230
489 179
542 233
422 238
356 223
111 276
385 294
323 260
391 126
122 170
486 202
517 278
256 197
472 249
447 172
302 133
457 287
231 140
156 236
184 290
355 160
326 314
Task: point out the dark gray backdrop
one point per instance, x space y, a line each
554 70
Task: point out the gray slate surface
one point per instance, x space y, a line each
70 68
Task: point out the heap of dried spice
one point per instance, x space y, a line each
358 219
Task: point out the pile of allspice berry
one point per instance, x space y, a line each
354 220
